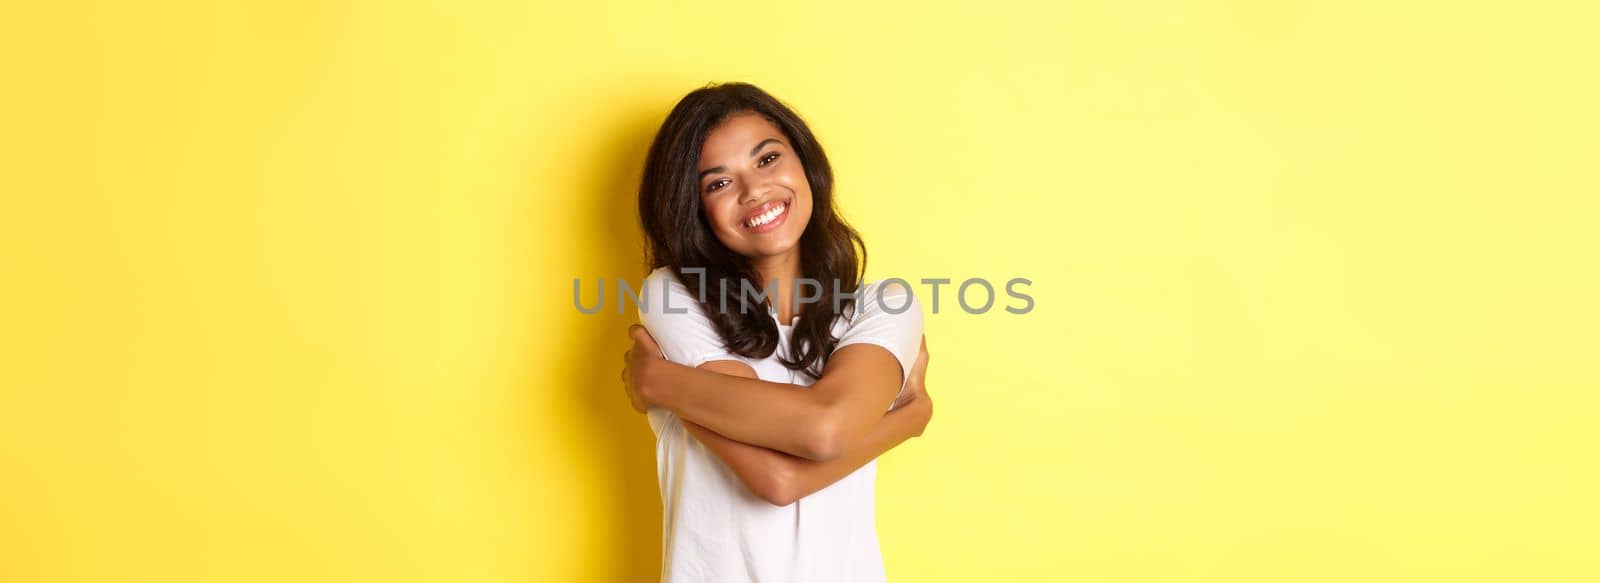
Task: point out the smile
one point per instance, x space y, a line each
770 216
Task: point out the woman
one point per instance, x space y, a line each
767 418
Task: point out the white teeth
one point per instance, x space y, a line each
766 217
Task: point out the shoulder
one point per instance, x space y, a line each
663 278
662 292
886 307
677 321
888 314
887 297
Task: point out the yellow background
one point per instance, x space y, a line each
286 287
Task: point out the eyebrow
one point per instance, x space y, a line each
753 151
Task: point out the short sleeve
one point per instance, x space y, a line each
678 323
891 317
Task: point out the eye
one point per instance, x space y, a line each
716 185
768 159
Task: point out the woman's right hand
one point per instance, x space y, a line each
636 363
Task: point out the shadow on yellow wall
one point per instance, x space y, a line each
612 248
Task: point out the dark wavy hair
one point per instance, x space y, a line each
679 234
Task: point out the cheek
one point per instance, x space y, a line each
719 211
805 207
722 215
805 220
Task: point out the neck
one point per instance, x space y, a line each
783 269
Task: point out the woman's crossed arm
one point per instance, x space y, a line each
858 384
781 478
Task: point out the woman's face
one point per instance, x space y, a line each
753 187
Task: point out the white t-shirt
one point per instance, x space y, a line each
715 530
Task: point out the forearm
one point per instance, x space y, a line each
808 476
779 416
781 478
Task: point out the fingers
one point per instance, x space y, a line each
643 346
642 338
642 342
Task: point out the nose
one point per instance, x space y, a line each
757 192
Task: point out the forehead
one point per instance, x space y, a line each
733 138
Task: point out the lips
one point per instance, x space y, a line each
767 216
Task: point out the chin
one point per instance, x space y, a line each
778 246
764 246
774 250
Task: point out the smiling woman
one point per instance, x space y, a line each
726 156
767 421
776 185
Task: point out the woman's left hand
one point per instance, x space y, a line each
916 382
635 363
